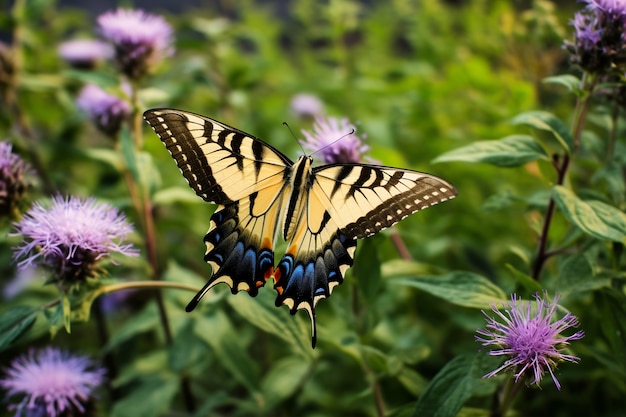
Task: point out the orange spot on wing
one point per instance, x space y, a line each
266 244
292 250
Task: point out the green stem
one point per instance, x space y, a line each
562 166
509 392
144 209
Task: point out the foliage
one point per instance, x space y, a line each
443 87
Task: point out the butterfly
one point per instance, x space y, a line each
261 194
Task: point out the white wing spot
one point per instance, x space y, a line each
435 193
426 197
443 190
398 211
377 224
408 206
389 217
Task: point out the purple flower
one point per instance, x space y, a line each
600 37
71 236
140 39
335 140
53 382
85 53
531 340
12 179
307 106
105 110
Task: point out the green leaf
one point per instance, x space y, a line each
262 312
127 146
571 82
460 379
171 195
367 269
526 280
67 312
14 322
147 319
218 332
151 396
459 287
54 316
186 350
286 376
511 151
93 77
543 120
595 218
611 306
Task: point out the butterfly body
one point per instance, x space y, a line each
261 195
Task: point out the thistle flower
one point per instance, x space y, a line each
141 40
12 179
307 106
70 237
85 53
600 37
531 341
106 111
53 382
332 138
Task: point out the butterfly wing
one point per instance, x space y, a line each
242 174
346 202
221 163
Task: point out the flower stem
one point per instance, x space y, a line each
562 166
144 209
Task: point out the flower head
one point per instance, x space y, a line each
12 179
140 39
105 110
85 53
71 236
600 37
335 140
53 383
531 340
307 106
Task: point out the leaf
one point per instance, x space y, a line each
459 287
612 308
262 313
367 269
527 281
14 322
460 379
146 319
571 82
127 147
151 396
511 151
286 376
595 218
171 195
218 332
543 120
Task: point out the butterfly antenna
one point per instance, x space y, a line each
351 132
294 136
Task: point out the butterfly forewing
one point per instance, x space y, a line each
222 164
365 199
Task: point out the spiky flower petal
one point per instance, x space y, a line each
335 140
531 339
71 236
53 383
307 106
141 40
